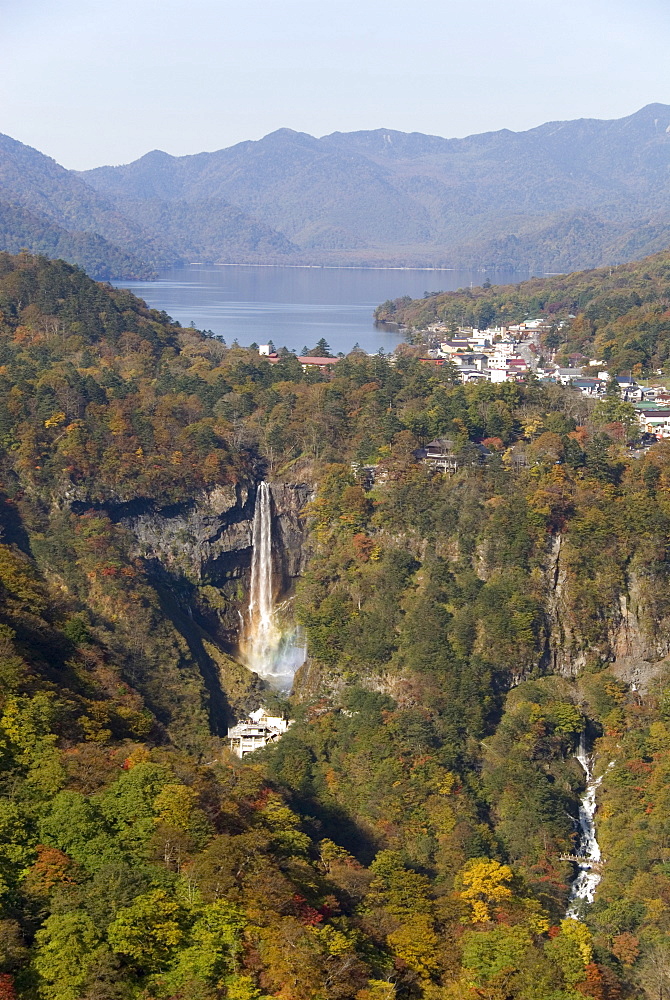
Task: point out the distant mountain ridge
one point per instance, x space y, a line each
562 196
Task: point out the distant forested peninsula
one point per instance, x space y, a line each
620 315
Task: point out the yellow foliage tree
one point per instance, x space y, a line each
579 933
55 420
415 944
174 806
377 989
484 884
571 950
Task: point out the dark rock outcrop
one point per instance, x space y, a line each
190 540
637 640
210 538
203 550
291 552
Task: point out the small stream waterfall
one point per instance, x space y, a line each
584 886
271 651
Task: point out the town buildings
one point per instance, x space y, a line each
508 354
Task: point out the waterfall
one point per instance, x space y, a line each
272 652
584 886
261 605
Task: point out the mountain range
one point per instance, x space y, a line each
562 196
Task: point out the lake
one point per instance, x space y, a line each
296 306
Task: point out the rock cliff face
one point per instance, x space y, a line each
211 536
290 535
191 539
207 544
638 634
634 641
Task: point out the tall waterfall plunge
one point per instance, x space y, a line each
272 651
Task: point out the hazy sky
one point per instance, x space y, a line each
104 81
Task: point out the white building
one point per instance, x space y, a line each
254 734
470 360
469 374
502 355
654 420
503 374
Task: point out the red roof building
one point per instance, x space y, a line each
323 364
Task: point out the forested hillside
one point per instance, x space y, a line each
403 839
48 209
620 315
23 230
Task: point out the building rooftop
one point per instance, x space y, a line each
442 444
308 360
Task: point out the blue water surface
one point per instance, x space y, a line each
296 306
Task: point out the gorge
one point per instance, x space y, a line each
408 837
